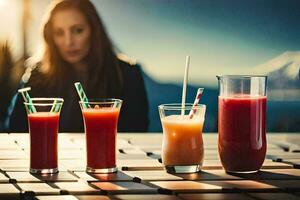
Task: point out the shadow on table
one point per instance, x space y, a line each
281 180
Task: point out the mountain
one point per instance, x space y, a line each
281 115
283 71
283 96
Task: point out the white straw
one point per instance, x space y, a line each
185 80
23 91
27 98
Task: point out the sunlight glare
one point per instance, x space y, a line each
3 3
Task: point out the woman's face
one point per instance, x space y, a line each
71 34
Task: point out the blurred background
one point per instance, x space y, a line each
221 36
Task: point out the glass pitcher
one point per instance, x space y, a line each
242 122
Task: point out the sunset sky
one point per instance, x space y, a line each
222 37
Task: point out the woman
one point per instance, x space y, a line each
77 48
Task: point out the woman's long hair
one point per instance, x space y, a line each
104 73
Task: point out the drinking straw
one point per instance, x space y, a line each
185 80
54 106
82 94
197 99
27 99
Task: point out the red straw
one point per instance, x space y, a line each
197 99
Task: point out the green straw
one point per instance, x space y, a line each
82 95
55 106
27 99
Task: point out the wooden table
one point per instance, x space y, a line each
141 175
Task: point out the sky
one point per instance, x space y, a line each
221 36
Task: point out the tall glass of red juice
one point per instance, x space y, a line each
100 123
242 122
43 122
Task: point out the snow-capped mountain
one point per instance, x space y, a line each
283 71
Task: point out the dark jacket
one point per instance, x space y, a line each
134 111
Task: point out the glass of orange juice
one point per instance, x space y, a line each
182 147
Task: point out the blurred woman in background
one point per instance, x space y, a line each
77 48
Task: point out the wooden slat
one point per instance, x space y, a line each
144 176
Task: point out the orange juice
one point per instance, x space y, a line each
182 142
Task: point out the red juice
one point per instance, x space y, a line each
101 129
43 128
242 132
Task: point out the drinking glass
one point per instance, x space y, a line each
182 148
43 121
100 123
242 122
